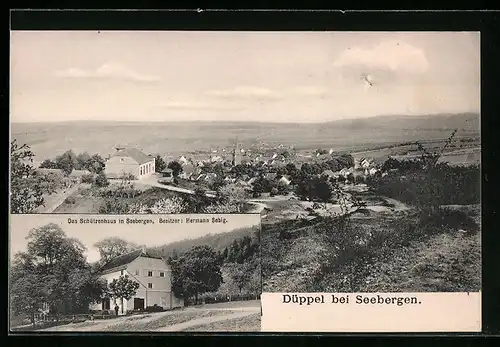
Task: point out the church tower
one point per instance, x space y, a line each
236 154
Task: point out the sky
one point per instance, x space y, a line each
241 76
149 235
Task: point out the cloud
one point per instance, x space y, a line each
182 105
246 93
311 91
109 70
387 55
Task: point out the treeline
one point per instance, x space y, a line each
69 161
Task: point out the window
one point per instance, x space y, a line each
162 274
150 285
121 159
122 272
141 171
137 272
150 273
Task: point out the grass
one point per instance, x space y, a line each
249 323
382 252
164 320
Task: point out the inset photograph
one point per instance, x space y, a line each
93 273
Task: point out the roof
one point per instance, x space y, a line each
126 259
133 153
167 170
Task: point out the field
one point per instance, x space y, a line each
50 139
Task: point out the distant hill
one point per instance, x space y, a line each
462 121
175 138
217 241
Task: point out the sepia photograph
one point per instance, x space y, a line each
130 273
361 151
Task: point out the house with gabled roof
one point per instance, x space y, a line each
152 273
129 161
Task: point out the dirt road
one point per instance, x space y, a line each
212 319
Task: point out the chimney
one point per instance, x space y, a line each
144 250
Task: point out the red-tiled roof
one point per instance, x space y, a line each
133 153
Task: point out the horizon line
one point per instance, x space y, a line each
243 121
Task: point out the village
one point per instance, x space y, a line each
251 174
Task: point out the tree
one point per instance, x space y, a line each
83 160
159 164
67 162
122 288
241 274
176 168
195 272
26 190
112 247
48 164
26 293
101 180
52 271
96 164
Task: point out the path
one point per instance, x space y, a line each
242 312
64 195
151 181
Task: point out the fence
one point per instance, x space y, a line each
211 299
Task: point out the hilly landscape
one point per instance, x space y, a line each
217 241
176 138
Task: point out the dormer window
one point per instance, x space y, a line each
122 159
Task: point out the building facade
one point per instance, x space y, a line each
129 161
152 273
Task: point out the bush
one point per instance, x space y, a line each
114 206
88 178
128 177
70 200
154 308
101 180
443 218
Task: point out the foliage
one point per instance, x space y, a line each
48 164
114 206
52 271
88 178
426 183
195 272
112 247
176 168
101 180
159 164
241 249
69 161
26 189
164 205
122 288
316 189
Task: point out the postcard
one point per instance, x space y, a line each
360 152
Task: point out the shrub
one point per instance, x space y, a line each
114 206
101 180
154 308
88 178
70 200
